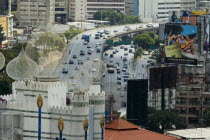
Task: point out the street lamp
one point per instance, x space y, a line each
39 104
60 128
102 127
85 127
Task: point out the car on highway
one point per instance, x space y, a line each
125 66
98 43
113 52
125 59
130 50
124 70
108 35
118 71
125 53
117 63
111 61
71 62
121 47
125 79
80 62
85 43
89 52
110 70
82 52
111 55
76 68
88 46
125 49
118 68
104 74
64 70
118 77
115 31
149 25
104 37
98 49
110 65
117 50
106 54
74 56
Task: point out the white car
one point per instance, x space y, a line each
98 43
149 25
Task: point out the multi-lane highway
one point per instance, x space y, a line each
109 83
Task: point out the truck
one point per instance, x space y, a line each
86 38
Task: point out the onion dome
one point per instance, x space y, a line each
2 60
22 67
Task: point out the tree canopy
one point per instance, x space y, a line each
144 40
1 34
115 17
159 120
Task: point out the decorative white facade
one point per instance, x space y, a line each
19 116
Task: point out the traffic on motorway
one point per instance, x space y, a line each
119 60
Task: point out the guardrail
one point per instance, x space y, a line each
132 31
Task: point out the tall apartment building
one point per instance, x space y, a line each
192 99
78 10
203 4
61 11
99 5
132 7
35 12
158 10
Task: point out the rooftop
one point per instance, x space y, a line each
120 129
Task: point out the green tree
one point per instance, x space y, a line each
115 17
159 120
71 33
207 118
138 52
14 13
6 86
144 40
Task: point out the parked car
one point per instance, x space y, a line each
89 52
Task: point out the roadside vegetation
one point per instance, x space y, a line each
115 18
145 42
71 33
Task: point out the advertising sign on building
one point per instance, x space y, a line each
185 16
181 43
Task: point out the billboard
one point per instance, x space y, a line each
181 43
185 16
